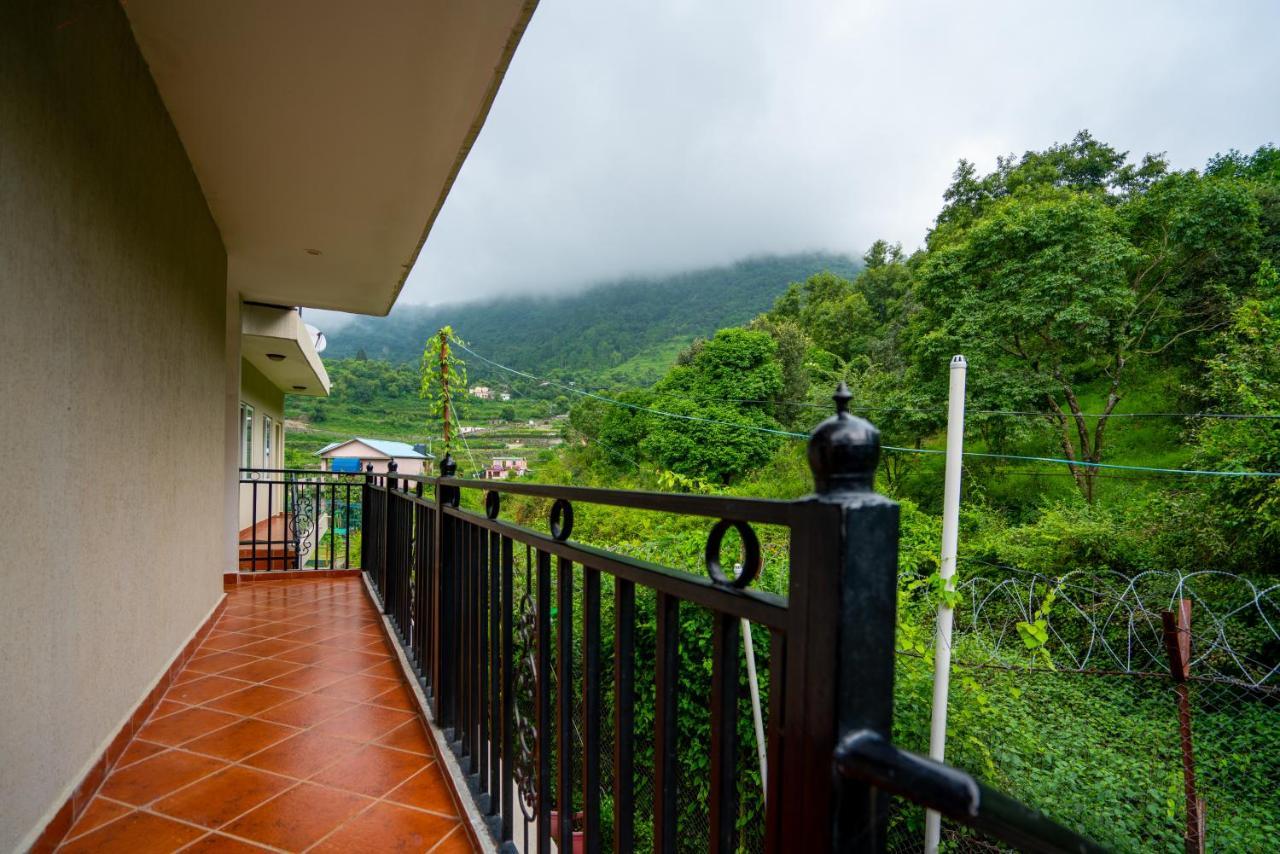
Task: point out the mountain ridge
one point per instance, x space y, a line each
632 324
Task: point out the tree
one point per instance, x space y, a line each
1065 266
1244 378
442 375
724 392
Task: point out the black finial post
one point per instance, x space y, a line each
844 450
448 466
392 481
840 653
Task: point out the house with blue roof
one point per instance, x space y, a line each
356 454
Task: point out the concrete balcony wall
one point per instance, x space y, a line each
112 384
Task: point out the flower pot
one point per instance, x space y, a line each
579 838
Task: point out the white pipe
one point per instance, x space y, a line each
754 685
950 537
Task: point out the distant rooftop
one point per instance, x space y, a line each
401 450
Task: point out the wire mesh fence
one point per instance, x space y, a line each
1067 693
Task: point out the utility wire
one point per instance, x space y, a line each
893 448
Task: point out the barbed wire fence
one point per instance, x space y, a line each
1143 710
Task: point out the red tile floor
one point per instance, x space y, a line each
291 729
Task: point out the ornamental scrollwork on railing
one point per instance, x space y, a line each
525 772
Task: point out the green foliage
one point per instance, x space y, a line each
1244 377
624 332
442 379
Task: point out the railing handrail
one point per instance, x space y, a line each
769 511
351 474
867 756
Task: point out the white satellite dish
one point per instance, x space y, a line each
317 338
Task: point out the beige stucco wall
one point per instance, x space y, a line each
257 391
112 381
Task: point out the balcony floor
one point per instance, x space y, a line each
291 729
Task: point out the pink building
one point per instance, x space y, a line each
501 468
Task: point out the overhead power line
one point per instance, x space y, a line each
892 448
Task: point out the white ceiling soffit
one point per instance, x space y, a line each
326 134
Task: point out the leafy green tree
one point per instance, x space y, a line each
1244 377
723 433
1046 280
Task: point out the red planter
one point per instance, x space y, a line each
579 839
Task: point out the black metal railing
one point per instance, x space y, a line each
299 519
540 696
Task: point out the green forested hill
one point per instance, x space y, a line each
626 330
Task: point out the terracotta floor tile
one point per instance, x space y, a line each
371 770
224 642
252 700
364 723
426 790
217 799
307 710
216 843
268 647
157 776
240 739
302 755
98 813
350 660
167 707
358 687
216 662
139 833
184 726
311 634
274 630
137 751
307 679
455 843
204 689
410 736
389 668
298 818
236 624
398 697
389 827
310 654
262 669
351 640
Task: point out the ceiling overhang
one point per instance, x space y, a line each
325 133
275 341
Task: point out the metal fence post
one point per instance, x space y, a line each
443 612
839 655
1177 642
387 525
366 502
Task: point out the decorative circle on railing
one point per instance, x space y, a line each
492 504
561 519
750 554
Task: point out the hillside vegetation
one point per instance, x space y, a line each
626 331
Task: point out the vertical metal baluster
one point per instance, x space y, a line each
478 672
483 657
333 524
545 736
253 532
270 512
667 680
464 694
346 518
624 715
315 521
724 732
591 707
773 755
495 723
564 703
508 615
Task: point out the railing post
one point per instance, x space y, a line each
388 532
839 657
443 613
366 498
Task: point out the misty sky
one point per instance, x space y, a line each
669 134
